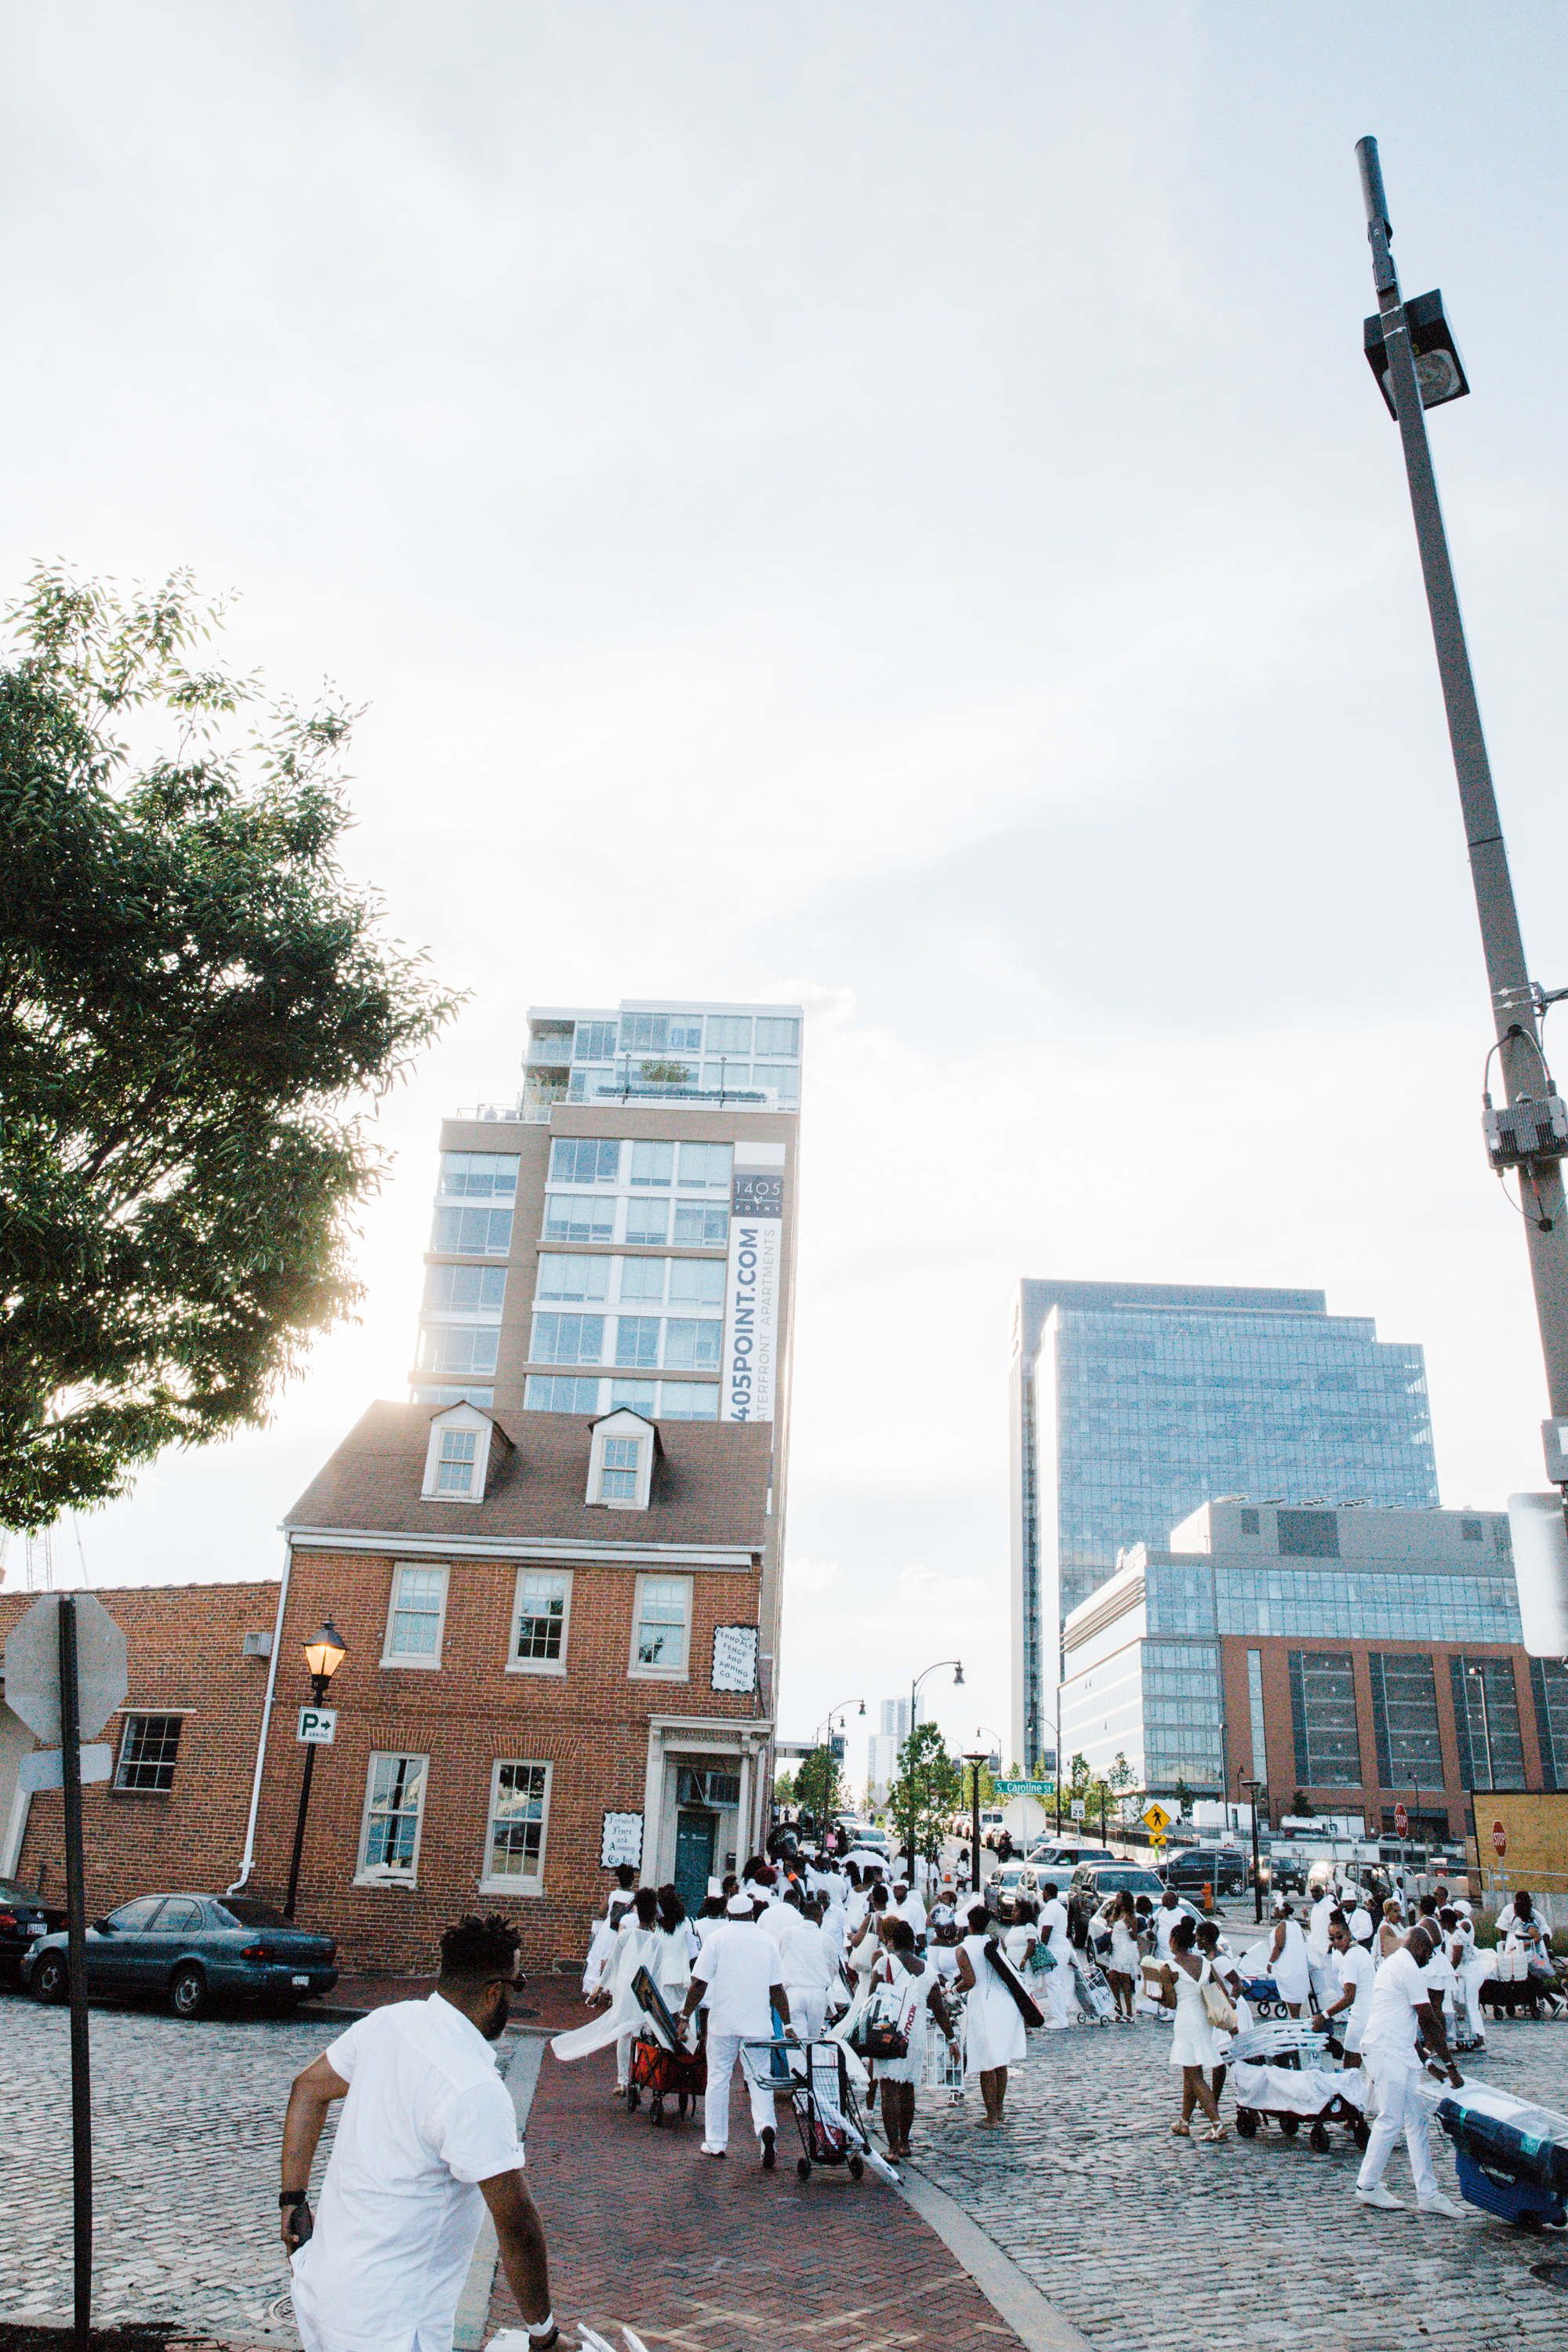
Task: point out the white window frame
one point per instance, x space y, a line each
637 1671
458 1417
400 1658
521 1887
364 1875
516 1665
624 1421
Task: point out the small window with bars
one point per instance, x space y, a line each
514 1848
543 1604
148 1748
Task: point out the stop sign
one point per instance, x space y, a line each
1500 1840
33 1667
1401 1821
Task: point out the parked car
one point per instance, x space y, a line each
1059 1861
191 1950
1221 1867
1091 1881
1011 1878
22 1919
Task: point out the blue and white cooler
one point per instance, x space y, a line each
1512 2156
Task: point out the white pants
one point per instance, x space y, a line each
723 2049
1057 1984
1472 1977
807 2008
1400 2109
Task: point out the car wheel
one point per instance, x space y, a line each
51 1978
188 1991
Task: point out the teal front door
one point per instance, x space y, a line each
694 1835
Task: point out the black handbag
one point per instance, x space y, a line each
881 2037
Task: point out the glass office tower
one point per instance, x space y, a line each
1133 1403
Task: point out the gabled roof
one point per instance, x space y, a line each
710 1485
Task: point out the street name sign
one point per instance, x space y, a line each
317 1726
33 1667
1025 1788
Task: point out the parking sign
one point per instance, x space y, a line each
317 1726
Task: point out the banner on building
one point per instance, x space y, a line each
622 1841
734 1658
751 1295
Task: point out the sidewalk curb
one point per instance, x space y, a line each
522 2078
1038 2325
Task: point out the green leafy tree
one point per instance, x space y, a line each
784 1789
926 1790
818 1783
1078 1775
198 1011
1183 1800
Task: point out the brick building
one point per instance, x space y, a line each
553 1657
550 1665
183 1745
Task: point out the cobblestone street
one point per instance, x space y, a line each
1151 2243
185 2132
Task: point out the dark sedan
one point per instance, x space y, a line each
191 1950
22 1919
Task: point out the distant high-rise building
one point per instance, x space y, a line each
1133 1402
882 1747
624 1232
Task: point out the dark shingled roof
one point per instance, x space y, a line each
710 1484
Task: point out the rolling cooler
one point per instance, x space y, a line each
1279 2077
660 2064
1511 2157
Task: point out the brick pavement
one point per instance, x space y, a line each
1151 2243
705 2257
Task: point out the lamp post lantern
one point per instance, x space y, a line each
1414 358
323 1656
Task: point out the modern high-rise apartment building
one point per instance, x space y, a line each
624 1232
1133 1402
882 1746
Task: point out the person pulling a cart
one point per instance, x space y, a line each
737 1973
1402 2006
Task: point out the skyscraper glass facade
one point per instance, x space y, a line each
1133 1403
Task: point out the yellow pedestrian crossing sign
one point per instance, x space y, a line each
1157 1820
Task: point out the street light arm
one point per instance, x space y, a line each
1379 228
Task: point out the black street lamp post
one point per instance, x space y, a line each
958 1684
323 1656
1244 1780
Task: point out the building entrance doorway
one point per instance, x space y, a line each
695 1835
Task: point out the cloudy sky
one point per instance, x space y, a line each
876 503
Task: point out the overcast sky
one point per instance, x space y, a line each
880 504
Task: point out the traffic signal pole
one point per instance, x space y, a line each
1514 1001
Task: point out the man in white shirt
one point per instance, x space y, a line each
427 2139
907 1905
1353 1968
737 1972
808 1967
1402 2001
1052 1926
1165 1918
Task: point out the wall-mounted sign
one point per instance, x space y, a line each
735 1657
621 1841
751 1295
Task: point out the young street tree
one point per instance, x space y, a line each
197 1011
926 1791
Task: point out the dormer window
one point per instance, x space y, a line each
618 1478
457 1462
620 1462
466 1447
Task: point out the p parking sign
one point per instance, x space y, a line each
318 1726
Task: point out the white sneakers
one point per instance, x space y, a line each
706 2150
1387 2202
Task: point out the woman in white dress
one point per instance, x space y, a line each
677 1937
1287 1962
1193 2046
1390 1936
912 1985
993 2023
1024 1934
1124 1970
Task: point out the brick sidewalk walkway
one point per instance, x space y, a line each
705 2257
